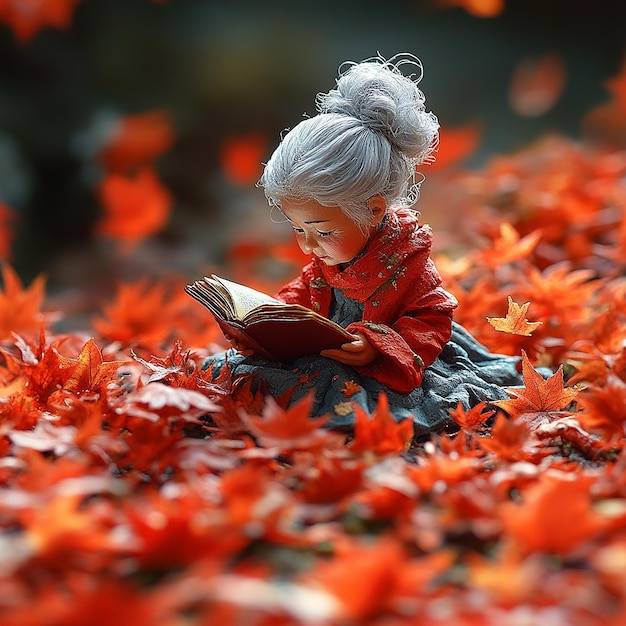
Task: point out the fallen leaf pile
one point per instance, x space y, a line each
136 490
133 490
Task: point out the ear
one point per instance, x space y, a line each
378 207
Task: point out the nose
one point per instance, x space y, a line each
310 242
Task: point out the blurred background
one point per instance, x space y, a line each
132 131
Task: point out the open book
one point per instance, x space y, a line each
269 327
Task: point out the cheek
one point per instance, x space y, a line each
301 241
350 244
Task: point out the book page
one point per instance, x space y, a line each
244 298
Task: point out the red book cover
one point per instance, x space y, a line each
270 328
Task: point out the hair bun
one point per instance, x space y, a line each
384 100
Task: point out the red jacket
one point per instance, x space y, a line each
407 315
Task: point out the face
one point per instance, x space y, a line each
326 231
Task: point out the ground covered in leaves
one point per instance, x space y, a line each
134 491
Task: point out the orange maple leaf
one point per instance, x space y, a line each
438 466
508 247
135 208
20 309
456 144
380 433
508 576
472 417
292 427
604 408
539 400
141 315
555 515
63 525
361 578
475 302
515 321
559 292
602 350
90 372
27 17
508 439
136 140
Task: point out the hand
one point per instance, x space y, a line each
355 353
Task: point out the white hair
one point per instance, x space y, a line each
370 132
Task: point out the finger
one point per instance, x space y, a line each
335 354
353 346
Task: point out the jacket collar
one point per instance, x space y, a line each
382 260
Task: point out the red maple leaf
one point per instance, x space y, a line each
98 602
136 140
539 400
456 144
568 430
155 401
171 532
241 158
445 461
327 478
177 368
142 315
135 208
380 433
43 368
27 17
287 428
537 85
606 124
6 230
253 499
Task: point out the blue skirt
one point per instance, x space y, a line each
464 372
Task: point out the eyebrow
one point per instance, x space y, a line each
310 221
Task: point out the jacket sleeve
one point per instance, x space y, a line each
411 344
415 339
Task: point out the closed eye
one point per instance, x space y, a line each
326 233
